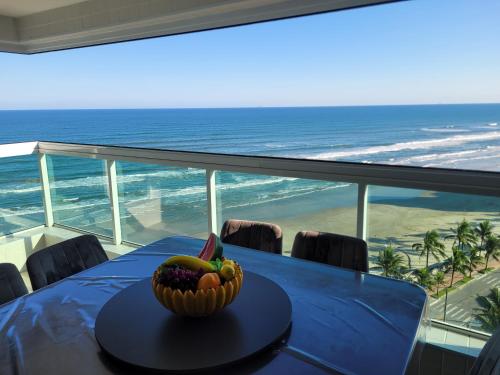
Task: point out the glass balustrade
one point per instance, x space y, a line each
294 204
445 242
21 204
79 193
159 201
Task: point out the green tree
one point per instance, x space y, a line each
463 235
391 263
475 259
431 246
483 230
491 249
488 313
438 280
458 263
424 278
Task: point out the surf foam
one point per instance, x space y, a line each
413 145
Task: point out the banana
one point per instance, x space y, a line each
192 263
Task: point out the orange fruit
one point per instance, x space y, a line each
209 280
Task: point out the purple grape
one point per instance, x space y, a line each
177 277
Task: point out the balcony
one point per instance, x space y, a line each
129 197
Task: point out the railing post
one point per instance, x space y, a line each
211 201
113 199
362 214
44 181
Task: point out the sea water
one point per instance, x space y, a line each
447 136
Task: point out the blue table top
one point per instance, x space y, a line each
342 321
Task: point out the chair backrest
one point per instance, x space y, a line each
333 249
11 283
64 259
255 235
488 362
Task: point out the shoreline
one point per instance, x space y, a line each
400 224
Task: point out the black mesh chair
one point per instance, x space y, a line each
332 249
11 283
64 259
488 362
255 235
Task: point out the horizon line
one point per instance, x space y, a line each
246 107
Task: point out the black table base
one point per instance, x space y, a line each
135 329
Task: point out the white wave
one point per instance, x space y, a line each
162 174
79 204
201 190
462 159
256 182
444 130
183 192
422 158
492 124
76 205
20 190
8 212
276 145
227 186
414 145
287 196
102 180
452 162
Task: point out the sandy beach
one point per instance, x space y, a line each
403 222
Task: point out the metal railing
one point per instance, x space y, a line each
435 179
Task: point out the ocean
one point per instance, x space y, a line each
157 200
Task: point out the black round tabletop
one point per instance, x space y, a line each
135 328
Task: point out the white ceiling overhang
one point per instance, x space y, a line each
31 26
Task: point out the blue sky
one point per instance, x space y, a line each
422 51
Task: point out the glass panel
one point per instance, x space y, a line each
158 201
79 190
21 204
294 204
455 279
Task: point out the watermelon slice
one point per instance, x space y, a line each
212 249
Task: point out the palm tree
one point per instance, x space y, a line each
438 281
491 248
391 263
463 235
489 312
483 230
458 263
475 259
424 278
431 246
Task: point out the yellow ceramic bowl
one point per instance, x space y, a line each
200 303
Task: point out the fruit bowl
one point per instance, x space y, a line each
202 302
